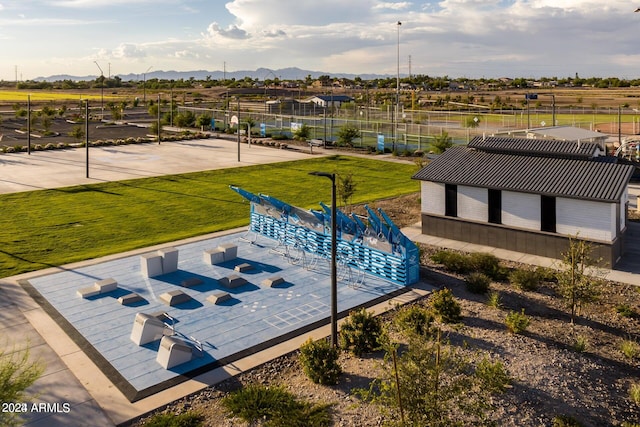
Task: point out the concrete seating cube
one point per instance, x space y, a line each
245 266
147 328
230 251
173 352
191 282
174 298
169 260
232 281
219 297
100 287
131 298
272 281
213 256
151 264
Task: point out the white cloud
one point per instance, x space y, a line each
231 32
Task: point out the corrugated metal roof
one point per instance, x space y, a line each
582 179
535 147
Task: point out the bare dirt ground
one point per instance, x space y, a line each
549 377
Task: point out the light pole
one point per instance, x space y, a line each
101 90
144 87
395 127
334 271
159 125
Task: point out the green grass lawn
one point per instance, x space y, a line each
53 227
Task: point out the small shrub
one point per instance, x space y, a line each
629 348
494 375
446 306
517 322
415 320
49 146
188 419
453 261
565 421
320 362
477 282
486 263
625 310
360 332
547 274
525 279
494 300
634 393
274 406
580 344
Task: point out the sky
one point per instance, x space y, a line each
455 38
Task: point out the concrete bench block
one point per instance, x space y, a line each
151 264
106 285
243 267
191 282
230 251
213 256
272 282
173 352
174 298
219 297
131 298
169 260
146 328
232 281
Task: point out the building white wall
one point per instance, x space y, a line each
623 208
521 210
586 218
432 198
472 203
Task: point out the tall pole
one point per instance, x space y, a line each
159 126
86 134
29 124
238 128
144 87
101 90
396 113
334 251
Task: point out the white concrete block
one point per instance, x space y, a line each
213 256
173 352
169 260
151 264
146 329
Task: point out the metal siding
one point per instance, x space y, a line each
432 195
521 210
588 219
473 203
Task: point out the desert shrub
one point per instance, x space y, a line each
565 421
320 362
580 344
453 261
494 299
275 407
517 322
547 274
188 419
493 375
360 332
634 393
629 348
625 310
415 320
525 279
486 263
477 282
446 306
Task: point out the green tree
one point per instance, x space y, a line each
185 119
17 373
203 120
575 285
302 133
346 188
347 134
77 132
441 143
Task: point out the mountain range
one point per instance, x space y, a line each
291 73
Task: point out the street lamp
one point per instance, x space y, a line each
144 87
395 128
101 90
334 271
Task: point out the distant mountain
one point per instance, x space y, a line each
291 73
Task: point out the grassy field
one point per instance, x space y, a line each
53 227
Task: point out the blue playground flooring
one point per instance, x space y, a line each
255 318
